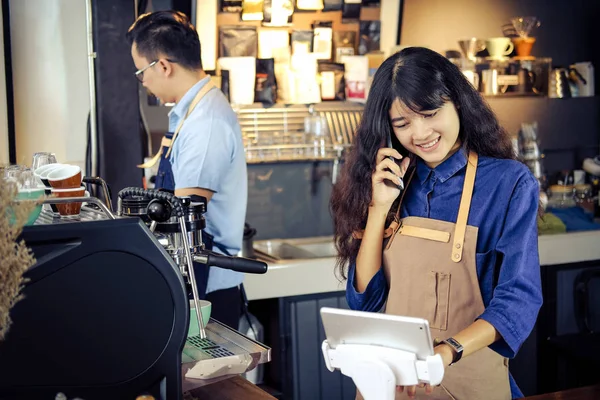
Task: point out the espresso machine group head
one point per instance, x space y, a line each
178 223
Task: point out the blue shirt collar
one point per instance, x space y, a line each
181 107
445 170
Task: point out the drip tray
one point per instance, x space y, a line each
224 353
206 347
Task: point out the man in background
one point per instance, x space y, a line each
202 154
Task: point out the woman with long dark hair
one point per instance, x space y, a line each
458 245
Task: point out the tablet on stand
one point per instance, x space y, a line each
380 351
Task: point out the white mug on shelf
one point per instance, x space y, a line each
499 47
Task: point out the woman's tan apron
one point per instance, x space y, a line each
431 271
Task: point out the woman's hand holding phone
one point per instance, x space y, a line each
387 178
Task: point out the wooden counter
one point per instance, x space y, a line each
238 388
234 388
584 393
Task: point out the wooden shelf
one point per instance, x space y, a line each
302 20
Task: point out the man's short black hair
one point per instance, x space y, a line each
169 34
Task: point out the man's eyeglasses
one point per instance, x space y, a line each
139 74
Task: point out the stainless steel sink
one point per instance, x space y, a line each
296 249
319 249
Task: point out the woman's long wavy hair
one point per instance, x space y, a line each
422 80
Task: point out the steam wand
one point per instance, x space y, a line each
192 276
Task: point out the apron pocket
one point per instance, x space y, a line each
439 294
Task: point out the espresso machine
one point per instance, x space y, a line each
106 308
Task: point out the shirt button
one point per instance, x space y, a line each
457 256
458 245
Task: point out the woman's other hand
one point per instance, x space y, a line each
411 391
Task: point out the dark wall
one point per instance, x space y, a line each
185 6
120 142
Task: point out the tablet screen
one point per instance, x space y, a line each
360 327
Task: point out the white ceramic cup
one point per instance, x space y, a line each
499 47
42 173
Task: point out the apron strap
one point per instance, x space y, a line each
465 206
397 216
394 227
165 142
169 142
208 86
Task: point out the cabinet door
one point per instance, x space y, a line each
566 357
311 378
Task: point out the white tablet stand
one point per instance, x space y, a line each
380 351
376 370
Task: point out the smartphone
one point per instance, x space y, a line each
389 144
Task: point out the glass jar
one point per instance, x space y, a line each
584 198
317 134
561 196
